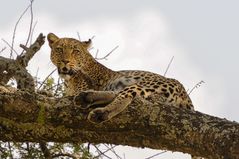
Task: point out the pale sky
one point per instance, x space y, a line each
201 35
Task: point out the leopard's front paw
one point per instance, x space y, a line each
98 115
83 100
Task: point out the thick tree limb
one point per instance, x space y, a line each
36 118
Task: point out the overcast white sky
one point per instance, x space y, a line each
201 35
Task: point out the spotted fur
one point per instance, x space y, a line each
82 73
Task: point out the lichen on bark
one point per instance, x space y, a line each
141 125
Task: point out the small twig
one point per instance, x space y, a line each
25 48
112 150
88 147
78 34
57 86
10 150
101 153
96 54
15 29
157 154
33 29
168 66
31 23
12 49
4 48
196 86
105 57
92 37
46 79
54 86
46 152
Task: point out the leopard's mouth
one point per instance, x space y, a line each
64 72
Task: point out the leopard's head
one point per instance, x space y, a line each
67 54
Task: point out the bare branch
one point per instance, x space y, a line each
168 66
92 37
78 34
15 29
10 149
30 52
155 155
96 54
4 48
12 49
107 55
33 29
101 153
31 23
196 86
111 148
45 150
46 79
57 87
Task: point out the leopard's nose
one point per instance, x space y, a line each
64 69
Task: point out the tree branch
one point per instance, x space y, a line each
10 68
32 117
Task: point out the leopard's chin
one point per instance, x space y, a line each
65 76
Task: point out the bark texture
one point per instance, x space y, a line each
32 117
16 68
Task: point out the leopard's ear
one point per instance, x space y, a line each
52 38
87 44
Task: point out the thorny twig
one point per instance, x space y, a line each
196 86
169 64
107 55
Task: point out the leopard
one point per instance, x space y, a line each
82 73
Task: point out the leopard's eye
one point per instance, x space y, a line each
75 51
59 49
